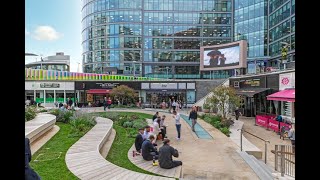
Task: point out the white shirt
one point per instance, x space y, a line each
156 128
177 118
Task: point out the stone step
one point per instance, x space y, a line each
261 171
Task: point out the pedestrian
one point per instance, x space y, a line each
193 117
69 103
237 113
174 105
292 137
149 151
29 173
163 127
170 105
155 116
109 102
176 117
165 156
105 103
139 140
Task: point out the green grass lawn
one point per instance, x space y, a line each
48 166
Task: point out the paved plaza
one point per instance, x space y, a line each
204 158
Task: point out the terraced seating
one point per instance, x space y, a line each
85 161
41 124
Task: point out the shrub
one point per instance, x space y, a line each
113 116
81 123
139 124
55 112
43 110
127 124
131 132
64 116
30 113
225 131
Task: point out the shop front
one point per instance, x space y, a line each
49 92
154 94
94 92
253 91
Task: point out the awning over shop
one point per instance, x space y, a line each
99 91
284 95
250 92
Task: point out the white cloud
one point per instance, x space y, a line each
26 32
46 33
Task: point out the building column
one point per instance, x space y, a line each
78 95
34 95
54 96
44 98
64 96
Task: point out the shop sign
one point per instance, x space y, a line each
108 85
252 82
286 81
49 85
163 85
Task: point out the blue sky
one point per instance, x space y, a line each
53 26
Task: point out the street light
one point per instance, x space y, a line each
167 68
134 68
78 66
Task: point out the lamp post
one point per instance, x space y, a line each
167 68
78 67
134 68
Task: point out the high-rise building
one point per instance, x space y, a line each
281 31
154 38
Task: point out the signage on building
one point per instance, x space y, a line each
163 85
286 80
252 82
107 85
49 85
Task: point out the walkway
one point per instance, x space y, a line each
85 161
265 134
204 158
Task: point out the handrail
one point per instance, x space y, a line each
265 143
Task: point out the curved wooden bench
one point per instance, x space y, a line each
41 124
85 161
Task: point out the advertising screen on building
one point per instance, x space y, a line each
226 56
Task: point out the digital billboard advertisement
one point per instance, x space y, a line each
222 57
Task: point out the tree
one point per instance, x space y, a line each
123 93
222 97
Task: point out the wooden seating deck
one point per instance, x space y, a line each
41 124
85 161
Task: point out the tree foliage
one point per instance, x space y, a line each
222 98
123 93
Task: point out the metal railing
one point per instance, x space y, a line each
285 160
265 143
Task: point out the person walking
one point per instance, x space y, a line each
163 127
105 103
237 113
109 102
292 137
165 156
193 117
176 117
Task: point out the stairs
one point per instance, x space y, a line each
263 171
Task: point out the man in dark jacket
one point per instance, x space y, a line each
29 173
193 116
155 116
70 102
165 156
149 152
139 140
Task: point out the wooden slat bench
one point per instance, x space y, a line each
85 161
41 124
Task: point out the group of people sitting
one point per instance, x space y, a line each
145 144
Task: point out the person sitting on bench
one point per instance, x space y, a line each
149 151
139 140
165 156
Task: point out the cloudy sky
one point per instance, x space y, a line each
53 26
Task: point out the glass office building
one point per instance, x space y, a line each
281 30
154 38
251 23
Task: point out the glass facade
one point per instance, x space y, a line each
153 38
281 28
58 67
